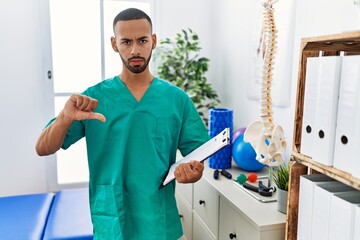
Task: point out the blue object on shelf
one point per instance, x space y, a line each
220 118
244 155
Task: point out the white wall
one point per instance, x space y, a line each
173 15
234 36
21 98
232 43
224 27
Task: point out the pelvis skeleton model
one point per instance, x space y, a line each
266 138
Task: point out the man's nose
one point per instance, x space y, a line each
135 50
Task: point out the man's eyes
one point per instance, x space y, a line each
128 42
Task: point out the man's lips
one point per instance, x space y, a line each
136 61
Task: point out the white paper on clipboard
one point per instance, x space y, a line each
201 153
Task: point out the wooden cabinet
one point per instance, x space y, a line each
184 200
331 45
185 212
233 225
203 221
220 207
206 204
201 230
186 191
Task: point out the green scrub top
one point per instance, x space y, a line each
129 155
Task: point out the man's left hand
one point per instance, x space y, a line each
189 172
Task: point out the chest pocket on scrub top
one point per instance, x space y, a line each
166 132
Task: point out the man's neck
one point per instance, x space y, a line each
136 79
137 84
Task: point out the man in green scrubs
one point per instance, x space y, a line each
133 124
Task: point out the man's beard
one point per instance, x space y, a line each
137 69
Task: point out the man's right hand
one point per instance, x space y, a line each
80 107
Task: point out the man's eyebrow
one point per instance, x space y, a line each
129 39
144 37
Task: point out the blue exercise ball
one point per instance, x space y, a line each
244 155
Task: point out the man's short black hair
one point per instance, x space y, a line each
131 14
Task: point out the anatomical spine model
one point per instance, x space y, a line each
265 137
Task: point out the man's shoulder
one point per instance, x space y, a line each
101 86
170 87
106 83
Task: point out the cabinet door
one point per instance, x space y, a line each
185 212
206 204
201 232
186 191
233 225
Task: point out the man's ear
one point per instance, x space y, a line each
154 41
113 44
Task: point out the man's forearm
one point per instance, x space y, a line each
52 138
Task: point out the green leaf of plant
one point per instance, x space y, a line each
179 62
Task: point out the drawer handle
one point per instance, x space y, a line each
202 202
232 235
181 216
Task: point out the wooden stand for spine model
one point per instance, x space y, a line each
331 45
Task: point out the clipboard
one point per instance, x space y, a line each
200 154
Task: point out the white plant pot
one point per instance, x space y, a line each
281 196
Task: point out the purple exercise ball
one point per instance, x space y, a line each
236 134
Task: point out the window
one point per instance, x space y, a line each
82 56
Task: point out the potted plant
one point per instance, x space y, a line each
178 61
280 176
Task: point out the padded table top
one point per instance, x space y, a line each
69 217
24 216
